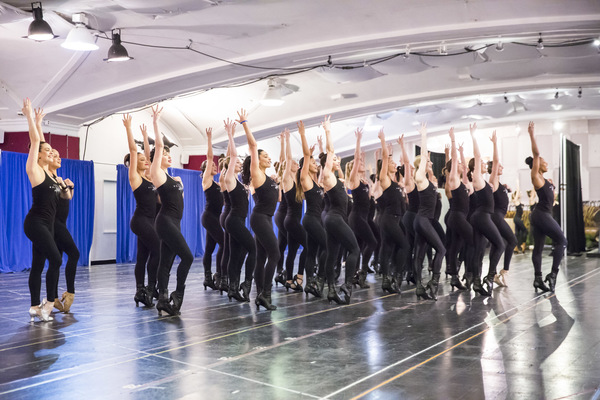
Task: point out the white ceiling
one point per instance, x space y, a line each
205 82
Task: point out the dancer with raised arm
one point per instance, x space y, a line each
266 194
339 233
142 221
211 214
168 226
521 231
280 214
542 223
408 220
39 222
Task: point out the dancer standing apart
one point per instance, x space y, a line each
356 182
394 244
211 214
241 242
316 243
168 226
338 231
425 233
296 235
266 194
500 209
481 220
39 222
542 223
142 221
521 231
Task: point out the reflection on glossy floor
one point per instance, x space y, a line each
514 345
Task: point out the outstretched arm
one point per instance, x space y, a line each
35 173
536 178
494 181
454 176
421 175
354 179
146 142
207 175
384 178
305 179
258 178
478 182
156 173
230 174
463 166
134 178
39 117
288 179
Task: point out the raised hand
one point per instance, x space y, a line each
27 110
381 135
451 134
494 138
401 140
326 124
242 116
142 128
127 120
286 133
423 128
531 128
208 132
39 115
472 128
358 133
229 126
461 148
312 148
156 110
320 141
300 126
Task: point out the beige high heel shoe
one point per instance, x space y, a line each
501 278
67 301
59 305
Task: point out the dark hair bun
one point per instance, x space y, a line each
529 161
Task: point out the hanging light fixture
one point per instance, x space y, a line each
39 30
272 96
80 38
117 52
540 45
500 46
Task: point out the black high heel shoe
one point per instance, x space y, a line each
296 284
312 287
246 287
217 280
224 286
360 279
386 285
346 289
164 305
468 279
280 278
264 299
177 299
479 289
455 283
551 279
410 278
332 295
432 287
538 283
320 284
421 292
152 291
234 292
488 281
209 282
142 296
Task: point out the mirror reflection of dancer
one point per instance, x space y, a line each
168 226
542 223
142 221
520 229
39 222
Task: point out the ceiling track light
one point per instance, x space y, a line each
500 46
80 38
39 30
272 96
443 49
540 43
579 92
407 52
117 52
556 94
505 98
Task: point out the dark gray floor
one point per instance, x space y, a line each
514 345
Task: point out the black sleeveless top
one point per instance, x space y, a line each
519 211
413 200
227 202
427 199
265 197
460 199
283 206
485 199
62 210
45 200
171 196
145 199
338 200
314 200
214 199
294 209
239 200
546 197
392 199
360 197
501 199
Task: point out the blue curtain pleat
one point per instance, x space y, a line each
126 240
16 200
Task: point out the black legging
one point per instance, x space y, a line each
241 243
520 231
408 220
508 235
267 250
375 229
425 234
222 268
65 244
172 243
484 228
460 235
281 237
364 236
339 233
214 236
316 244
148 249
393 243
296 237
44 248
542 225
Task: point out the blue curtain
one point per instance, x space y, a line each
15 202
191 226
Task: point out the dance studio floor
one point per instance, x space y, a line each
515 345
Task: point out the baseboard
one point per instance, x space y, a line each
102 262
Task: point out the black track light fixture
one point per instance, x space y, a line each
579 92
505 98
39 30
117 52
500 46
540 43
556 94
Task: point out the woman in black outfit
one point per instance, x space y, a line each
168 226
142 221
542 223
481 220
266 194
408 220
360 210
221 277
280 215
241 242
211 215
461 232
39 222
63 237
316 242
394 244
296 235
338 231
425 233
521 231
